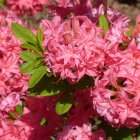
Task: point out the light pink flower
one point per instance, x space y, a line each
9 102
26 7
83 132
13 84
116 94
73 48
16 130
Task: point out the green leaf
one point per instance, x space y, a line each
64 104
29 46
19 109
48 86
29 67
50 92
103 23
37 76
12 114
43 121
129 32
2 2
22 33
39 37
128 138
28 56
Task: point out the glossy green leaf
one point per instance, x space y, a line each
19 109
64 104
50 92
103 23
28 56
39 37
29 67
37 76
48 86
30 46
23 33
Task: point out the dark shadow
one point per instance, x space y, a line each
129 2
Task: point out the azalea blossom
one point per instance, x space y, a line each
83 132
26 7
73 48
116 94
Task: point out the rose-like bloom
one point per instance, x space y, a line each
116 94
26 7
83 132
74 48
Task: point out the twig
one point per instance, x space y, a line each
105 7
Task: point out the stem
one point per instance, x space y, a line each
105 7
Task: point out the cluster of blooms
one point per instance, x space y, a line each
81 133
26 7
75 47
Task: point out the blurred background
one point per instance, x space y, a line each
128 7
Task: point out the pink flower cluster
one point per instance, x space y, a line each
74 48
26 7
77 46
12 84
81 133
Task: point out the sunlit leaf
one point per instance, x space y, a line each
23 33
103 23
37 76
64 104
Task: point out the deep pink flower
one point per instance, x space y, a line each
38 108
82 108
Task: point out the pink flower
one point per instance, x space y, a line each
26 7
9 102
73 48
13 84
16 130
116 94
80 133
7 17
